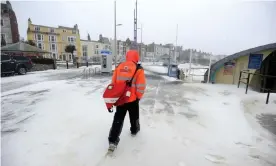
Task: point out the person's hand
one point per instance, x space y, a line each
110 110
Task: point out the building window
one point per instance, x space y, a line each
96 52
40 45
71 39
84 50
64 30
3 37
52 30
37 28
53 47
97 46
52 38
39 37
63 38
2 22
54 56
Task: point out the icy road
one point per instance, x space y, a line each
58 118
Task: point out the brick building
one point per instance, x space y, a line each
9 26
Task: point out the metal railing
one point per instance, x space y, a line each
90 72
185 73
248 79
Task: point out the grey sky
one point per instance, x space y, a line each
220 27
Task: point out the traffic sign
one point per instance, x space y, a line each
105 52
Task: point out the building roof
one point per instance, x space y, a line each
90 40
44 26
22 47
53 27
221 62
63 27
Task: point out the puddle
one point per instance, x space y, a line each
268 121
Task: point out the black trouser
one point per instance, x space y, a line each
118 121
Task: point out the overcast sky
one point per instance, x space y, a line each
220 27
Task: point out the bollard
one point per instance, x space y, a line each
247 83
67 65
267 97
239 79
54 65
77 64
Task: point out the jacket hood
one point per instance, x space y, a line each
132 55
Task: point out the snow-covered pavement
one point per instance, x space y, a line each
10 83
60 119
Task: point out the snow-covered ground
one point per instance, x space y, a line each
9 83
64 122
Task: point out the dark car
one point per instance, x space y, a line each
15 64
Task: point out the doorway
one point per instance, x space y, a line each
268 68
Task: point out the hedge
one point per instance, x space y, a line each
43 61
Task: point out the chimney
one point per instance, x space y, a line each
76 26
88 37
29 21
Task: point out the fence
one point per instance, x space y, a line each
261 88
196 74
90 72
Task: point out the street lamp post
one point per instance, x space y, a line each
115 37
115 44
209 70
175 50
141 29
115 34
190 61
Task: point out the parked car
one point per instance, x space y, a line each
15 64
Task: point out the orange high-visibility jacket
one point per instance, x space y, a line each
125 72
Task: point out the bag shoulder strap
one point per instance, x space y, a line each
137 68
